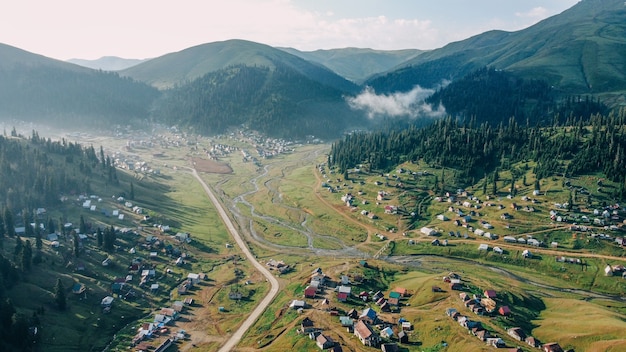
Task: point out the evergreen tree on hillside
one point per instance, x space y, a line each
8 222
27 256
59 295
82 228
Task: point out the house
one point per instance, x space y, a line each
389 347
363 331
195 278
516 333
490 294
394 294
403 337
344 289
498 250
369 315
402 291
309 292
107 301
393 302
170 312
342 296
495 342
306 323
346 321
483 247
428 231
352 313
78 288
387 333
296 304
504 310
324 342
533 342
552 347
456 286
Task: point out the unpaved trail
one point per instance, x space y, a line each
256 313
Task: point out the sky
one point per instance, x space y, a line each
139 29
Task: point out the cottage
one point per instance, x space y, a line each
516 333
296 304
310 292
387 333
324 342
107 301
504 311
369 315
389 347
363 331
533 342
346 321
490 294
428 231
552 347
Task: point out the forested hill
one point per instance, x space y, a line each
579 51
35 172
187 65
576 147
490 95
67 97
279 102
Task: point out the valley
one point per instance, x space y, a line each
285 215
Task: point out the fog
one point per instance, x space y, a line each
411 103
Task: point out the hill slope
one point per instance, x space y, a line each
107 63
357 64
582 50
279 102
37 88
186 65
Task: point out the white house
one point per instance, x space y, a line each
428 231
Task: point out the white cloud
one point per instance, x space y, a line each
409 103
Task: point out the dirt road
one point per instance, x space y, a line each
256 313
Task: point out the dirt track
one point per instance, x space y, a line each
256 313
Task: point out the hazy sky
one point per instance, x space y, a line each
65 29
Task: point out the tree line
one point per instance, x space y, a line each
573 147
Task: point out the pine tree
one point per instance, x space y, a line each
76 241
59 295
27 256
8 222
82 228
99 237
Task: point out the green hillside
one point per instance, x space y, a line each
279 102
357 64
37 88
580 51
186 65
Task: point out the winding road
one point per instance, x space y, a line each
256 313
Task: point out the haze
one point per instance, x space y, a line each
67 29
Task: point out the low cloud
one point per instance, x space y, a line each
411 104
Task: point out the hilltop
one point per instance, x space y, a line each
575 52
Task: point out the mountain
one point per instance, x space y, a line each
580 51
279 102
107 63
184 66
357 64
37 88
